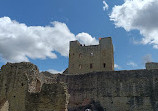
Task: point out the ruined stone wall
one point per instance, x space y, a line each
22 89
14 86
83 59
135 90
53 97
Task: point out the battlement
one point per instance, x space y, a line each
151 65
92 58
102 41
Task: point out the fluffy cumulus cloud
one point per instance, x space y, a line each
132 64
139 15
86 39
105 7
19 42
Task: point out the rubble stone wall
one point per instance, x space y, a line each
22 90
135 90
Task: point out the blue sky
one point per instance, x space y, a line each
37 30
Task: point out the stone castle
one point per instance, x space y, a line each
89 84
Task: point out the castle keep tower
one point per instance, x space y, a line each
93 58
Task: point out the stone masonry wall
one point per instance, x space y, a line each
22 89
14 85
84 59
151 65
135 90
51 98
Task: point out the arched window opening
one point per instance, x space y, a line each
38 86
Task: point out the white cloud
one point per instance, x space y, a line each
116 66
54 71
19 42
141 15
132 64
86 39
105 7
147 58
